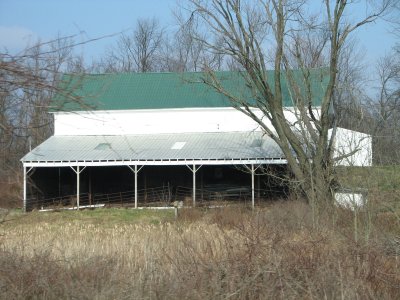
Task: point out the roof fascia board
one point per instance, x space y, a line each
155 163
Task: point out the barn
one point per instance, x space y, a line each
138 138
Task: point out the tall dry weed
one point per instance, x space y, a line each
225 253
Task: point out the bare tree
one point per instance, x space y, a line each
28 81
262 34
385 110
389 91
184 52
138 51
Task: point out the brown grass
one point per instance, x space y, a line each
229 253
10 194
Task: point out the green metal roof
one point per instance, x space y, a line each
126 91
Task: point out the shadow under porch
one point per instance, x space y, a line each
156 185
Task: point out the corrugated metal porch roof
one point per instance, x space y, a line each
160 148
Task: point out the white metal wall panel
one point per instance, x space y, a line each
156 121
353 148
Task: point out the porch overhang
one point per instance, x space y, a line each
222 148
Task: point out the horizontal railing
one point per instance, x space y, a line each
157 196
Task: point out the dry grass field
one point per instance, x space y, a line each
229 253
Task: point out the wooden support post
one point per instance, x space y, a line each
258 189
25 192
24 196
194 185
135 170
136 196
252 186
78 171
194 170
77 187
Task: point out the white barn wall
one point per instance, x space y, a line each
155 121
151 122
358 144
350 200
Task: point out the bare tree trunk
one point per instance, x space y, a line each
261 35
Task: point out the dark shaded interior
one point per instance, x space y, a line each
58 182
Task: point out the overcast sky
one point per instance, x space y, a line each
23 21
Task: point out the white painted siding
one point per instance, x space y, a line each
353 148
350 200
155 121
